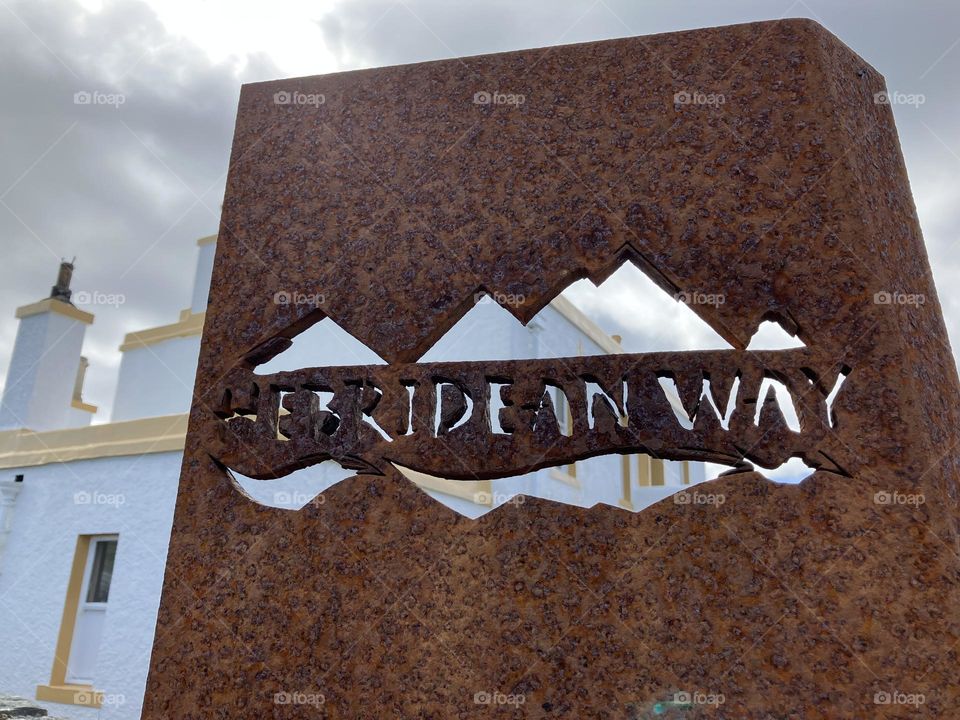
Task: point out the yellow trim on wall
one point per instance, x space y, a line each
81 405
561 474
626 501
643 470
476 491
27 448
587 326
71 603
59 690
83 695
57 306
191 324
656 471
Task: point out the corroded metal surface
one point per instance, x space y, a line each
749 162
380 415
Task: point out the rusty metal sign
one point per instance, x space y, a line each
751 163
391 414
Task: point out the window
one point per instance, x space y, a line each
98 588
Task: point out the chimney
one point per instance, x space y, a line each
61 291
43 370
201 281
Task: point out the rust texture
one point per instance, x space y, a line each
635 415
750 162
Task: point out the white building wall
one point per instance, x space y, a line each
78 418
487 332
156 379
326 343
204 274
132 497
42 373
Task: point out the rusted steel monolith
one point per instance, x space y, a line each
753 163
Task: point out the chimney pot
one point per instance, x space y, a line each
61 291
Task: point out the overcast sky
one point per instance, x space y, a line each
128 188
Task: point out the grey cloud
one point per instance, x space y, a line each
127 188
120 187
332 31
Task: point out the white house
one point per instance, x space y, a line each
86 509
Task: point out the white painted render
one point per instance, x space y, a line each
41 375
156 379
132 497
201 280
